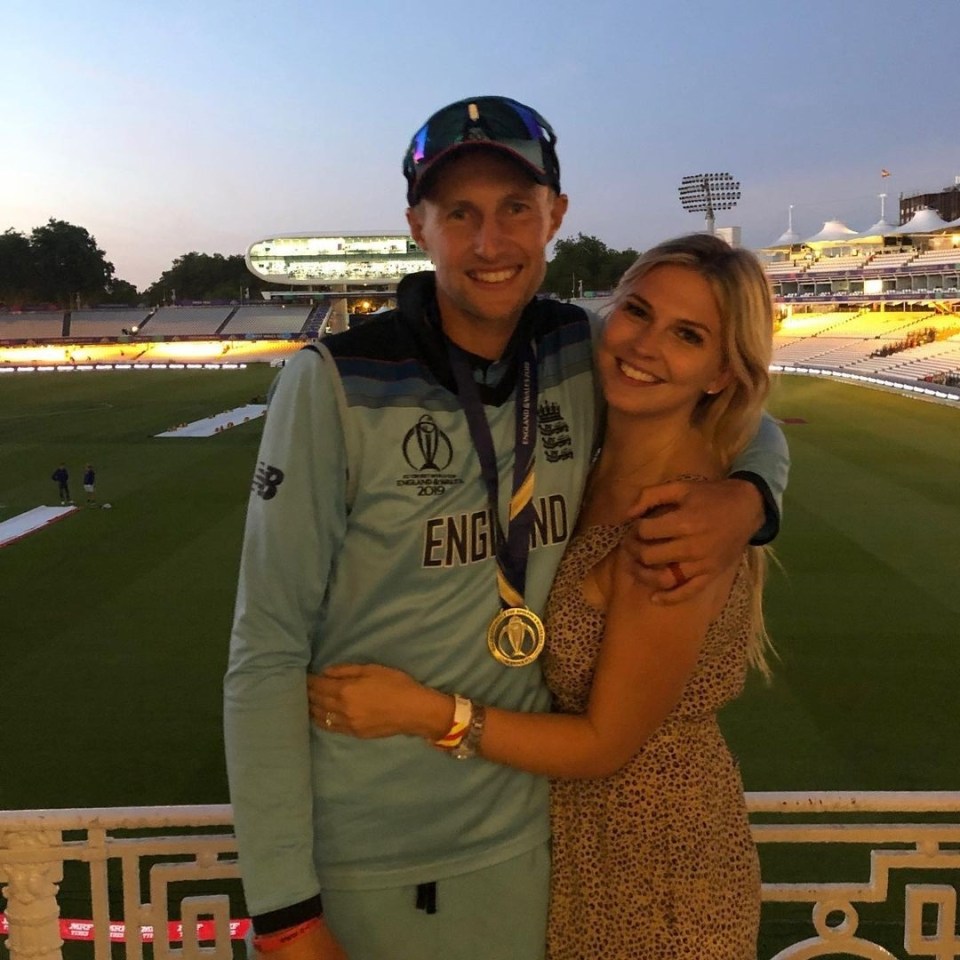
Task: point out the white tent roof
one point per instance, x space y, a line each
787 239
924 220
832 230
880 229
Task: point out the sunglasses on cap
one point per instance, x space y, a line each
496 122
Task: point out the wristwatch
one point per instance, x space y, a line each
470 743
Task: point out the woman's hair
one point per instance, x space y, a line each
730 417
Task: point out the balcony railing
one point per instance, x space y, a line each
147 853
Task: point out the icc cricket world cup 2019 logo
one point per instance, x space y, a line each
428 451
433 445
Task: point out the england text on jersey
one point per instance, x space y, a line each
462 538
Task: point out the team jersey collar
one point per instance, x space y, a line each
417 301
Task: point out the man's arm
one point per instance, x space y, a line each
687 532
295 523
765 463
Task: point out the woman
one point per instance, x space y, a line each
652 854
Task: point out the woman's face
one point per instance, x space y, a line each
661 348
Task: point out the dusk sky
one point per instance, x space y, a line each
206 125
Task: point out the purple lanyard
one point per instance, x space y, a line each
514 548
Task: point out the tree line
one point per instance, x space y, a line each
59 265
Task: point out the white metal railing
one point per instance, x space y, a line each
152 849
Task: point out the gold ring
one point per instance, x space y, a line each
328 719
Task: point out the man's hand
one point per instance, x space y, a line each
316 944
688 531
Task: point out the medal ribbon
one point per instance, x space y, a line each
513 549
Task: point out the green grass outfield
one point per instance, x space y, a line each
115 623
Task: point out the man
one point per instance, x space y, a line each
89 484
61 478
379 531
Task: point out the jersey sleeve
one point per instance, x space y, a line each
765 462
295 525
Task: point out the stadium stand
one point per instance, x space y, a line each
105 323
807 350
786 268
267 319
848 340
930 258
813 324
836 264
941 356
318 321
41 325
873 324
188 321
888 261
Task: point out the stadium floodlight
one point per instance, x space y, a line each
708 192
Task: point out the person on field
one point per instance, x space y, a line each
89 484
61 477
417 482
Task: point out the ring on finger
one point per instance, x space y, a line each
679 578
328 719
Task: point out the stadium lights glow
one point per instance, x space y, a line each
708 192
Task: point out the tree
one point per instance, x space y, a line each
204 276
585 263
121 292
68 265
16 269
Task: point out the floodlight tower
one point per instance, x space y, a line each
707 193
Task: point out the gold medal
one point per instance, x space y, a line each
516 637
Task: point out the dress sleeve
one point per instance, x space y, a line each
766 463
296 518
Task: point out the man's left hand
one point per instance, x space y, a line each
687 531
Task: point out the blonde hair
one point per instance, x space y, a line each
730 417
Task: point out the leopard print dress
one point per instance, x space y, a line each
655 862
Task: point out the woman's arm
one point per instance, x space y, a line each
647 655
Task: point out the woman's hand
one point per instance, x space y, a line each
372 701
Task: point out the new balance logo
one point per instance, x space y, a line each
266 479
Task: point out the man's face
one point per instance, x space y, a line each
485 225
